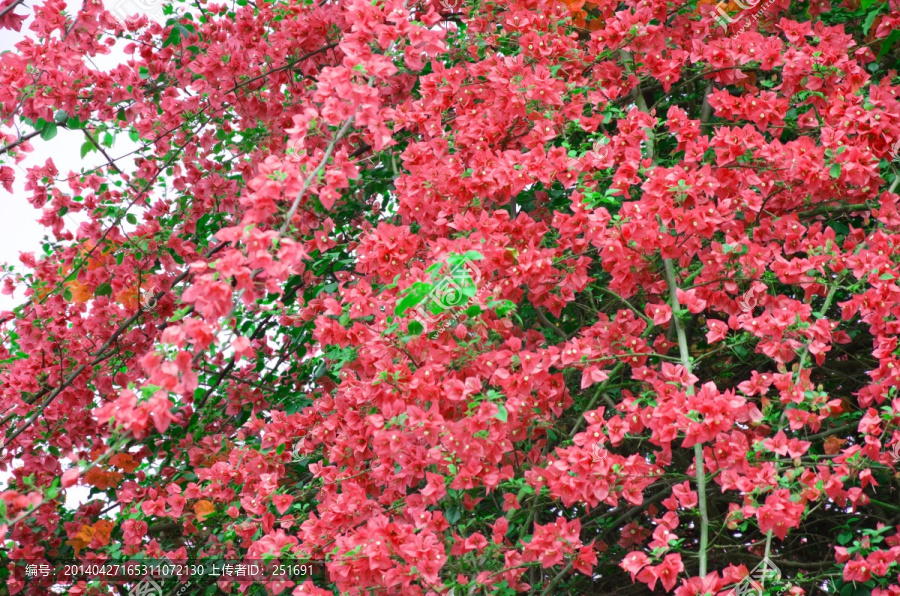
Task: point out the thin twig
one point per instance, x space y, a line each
309 179
10 8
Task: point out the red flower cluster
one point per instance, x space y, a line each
457 297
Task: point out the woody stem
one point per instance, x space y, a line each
698 447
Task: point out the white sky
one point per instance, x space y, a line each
19 230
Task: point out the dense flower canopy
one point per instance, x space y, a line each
458 297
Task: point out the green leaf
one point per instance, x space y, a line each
295 406
502 415
49 131
130 218
835 170
134 135
886 45
104 289
86 148
174 37
414 295
320 370
179 314
415 328
870 18
473 311
502 307
143 72
844 538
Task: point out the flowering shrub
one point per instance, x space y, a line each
469 298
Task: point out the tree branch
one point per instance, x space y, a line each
99 356
10 8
